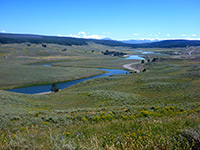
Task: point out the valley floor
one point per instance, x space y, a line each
155 109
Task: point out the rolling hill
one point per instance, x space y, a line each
6 38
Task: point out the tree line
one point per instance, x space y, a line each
113 53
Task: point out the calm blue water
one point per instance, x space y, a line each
145 52
47 65
47 88
139 57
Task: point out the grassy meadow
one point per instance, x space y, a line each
156 109
15 71
18 76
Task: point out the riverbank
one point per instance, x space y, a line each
61 85
129 67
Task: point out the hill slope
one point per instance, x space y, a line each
169 44
38 39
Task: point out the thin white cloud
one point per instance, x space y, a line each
60 35
187 38
151 39
108 33
75 36
93 36
87 36
159 39
3 31
83 33
158 32
194 35
184 35
136 34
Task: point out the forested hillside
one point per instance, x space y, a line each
39 39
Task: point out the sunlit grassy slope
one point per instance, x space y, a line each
156 109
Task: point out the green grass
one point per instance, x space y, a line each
116 63
156 109
18 75
15 71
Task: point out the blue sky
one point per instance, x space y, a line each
116 19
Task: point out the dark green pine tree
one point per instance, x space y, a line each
54 88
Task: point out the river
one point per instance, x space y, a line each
140 56
47 87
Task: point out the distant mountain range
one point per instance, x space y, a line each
6 38
138 41
132 41
169 44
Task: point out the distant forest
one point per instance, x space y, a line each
38 39
6 38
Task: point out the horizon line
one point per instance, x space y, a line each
108 38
